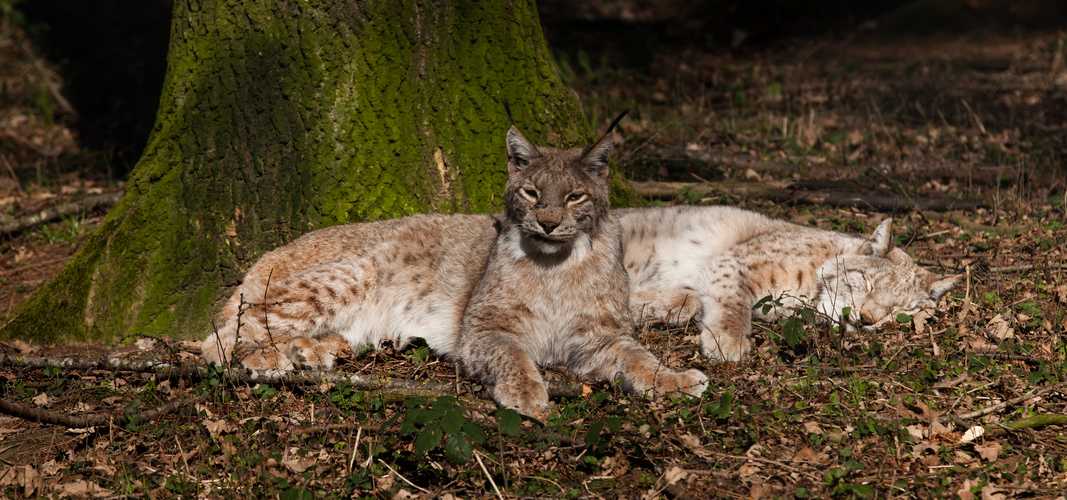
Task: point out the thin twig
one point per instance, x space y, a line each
413 485
487 475
997 407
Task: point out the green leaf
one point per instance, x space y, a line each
429 438
296 494
903 318
863 490
614 424
458 450
452 422
473 432
509 420
415 401
593 435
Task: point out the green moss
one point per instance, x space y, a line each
281 117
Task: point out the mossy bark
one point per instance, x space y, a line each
281 117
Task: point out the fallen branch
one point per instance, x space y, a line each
999 406
720 158
88 203
653 189
1026 423
49 417
403 387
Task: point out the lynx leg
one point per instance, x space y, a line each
642 373
727 330
668 306
516 379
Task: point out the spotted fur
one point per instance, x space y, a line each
542 284
711 265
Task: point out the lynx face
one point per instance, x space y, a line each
878 288
553 203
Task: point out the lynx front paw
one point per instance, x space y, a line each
266 359
690 382
309 354
529 399
723 347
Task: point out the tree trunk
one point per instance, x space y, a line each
281 117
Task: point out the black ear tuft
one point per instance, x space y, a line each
596 155
508 110
616 122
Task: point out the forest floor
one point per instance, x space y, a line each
965 136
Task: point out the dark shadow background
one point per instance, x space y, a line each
112 53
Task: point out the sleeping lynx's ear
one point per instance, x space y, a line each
880 241
520 151
596 155
938 288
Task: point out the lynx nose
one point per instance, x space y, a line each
548 225
867 317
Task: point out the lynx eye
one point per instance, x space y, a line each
531 193
573 197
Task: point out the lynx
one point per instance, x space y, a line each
541 284
712 264
554 291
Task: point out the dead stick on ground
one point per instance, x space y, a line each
387 385
87 203
44 416
999 406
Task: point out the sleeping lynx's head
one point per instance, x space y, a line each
877 283
556 197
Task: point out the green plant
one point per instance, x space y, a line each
442 419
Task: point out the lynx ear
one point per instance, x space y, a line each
520 151
596 156
940 287
880 241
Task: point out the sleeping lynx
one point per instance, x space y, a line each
554 290
712 264
541 284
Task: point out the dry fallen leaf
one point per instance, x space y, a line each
41 400
81 489
298 465
998 329
674 474
217 426
989 451
919 320
972 434
813 427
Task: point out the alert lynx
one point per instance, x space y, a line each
712 265
554 291
541 284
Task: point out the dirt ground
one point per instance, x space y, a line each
960 138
